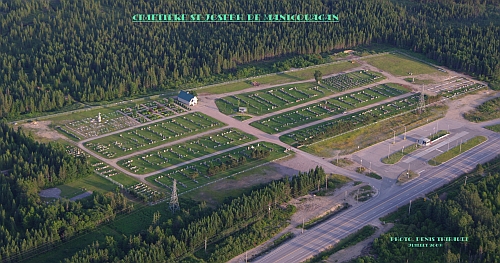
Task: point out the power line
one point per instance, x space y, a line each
174 199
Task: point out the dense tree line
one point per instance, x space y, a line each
471 212
28 224
240 218
55 52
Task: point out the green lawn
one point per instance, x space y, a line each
312 134
183 174
398 155
282 97
305 74
124 179
420 81
152 135
330 107
406 176
399 65
495 128
186 151
437 135
92 182
242 117
457 150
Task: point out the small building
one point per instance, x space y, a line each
187 98
242 109
424 141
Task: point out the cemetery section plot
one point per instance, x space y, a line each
152 110
329 107
90 126
209 170
85 124
278 98
152 135
178 153
350 122
351 80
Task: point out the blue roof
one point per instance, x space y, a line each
185 96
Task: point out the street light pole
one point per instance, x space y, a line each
405 135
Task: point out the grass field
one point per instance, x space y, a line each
495 128
437 135
406 176
230 160
241 117
297 75
489 110
318 132
399 65
93 183
398 155
342 162
186 151
420 81
457 150
330 107
152 135
372 134
124 179
282 97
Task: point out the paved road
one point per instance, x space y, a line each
330 232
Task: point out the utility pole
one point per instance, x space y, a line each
465 180
345 195
409 208
302 225
394 140
405 135
326 182
389 151
370 166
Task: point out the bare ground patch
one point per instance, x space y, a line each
42 130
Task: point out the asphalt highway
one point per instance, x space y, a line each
330 232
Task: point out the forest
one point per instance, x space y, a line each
465 210
54 53
29 224
234 227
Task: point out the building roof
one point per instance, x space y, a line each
185 96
